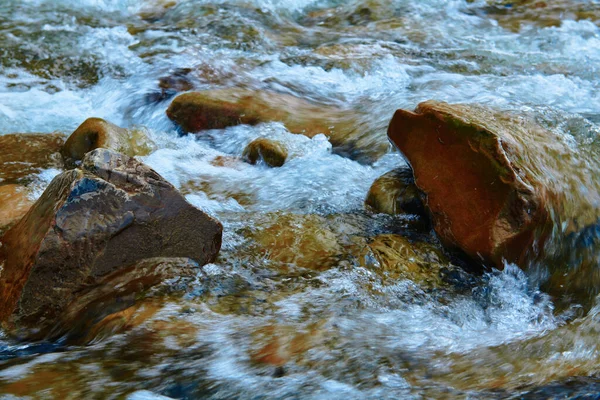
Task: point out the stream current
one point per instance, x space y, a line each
344 330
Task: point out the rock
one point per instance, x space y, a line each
395 192
394 257
96 133
14 203
89 223
178 81
304 241
516 15
219 109
271 152
499 187
23 154
215 109
115 303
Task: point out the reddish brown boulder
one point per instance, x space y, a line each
91 222
214 109
218 109
499 187
221 108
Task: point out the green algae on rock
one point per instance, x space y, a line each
96 133
91 222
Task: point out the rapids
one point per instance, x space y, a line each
346 330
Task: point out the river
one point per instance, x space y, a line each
344 329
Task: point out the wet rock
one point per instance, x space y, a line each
198 111
14 203
395 192
395 257
515 15
219 109
177 82
122 300
96 133
499 187
304 241
89 223
23 154
271 152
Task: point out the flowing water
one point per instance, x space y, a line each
262 323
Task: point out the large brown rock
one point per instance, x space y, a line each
23 154
96 133
499 187
221 108
91 222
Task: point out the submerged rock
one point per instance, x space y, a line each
280 344
394 257
89 223
218 109
23 154
500 187
271 152
96 133
115 303
395 192
304 241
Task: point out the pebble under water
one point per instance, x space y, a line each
337 327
